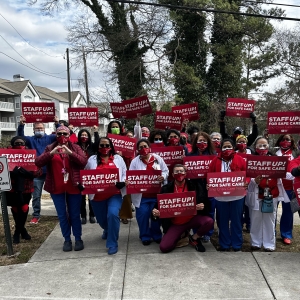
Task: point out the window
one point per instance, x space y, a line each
66 108
17 103
2 99
27 98
18 119
10 100
11 120
4 119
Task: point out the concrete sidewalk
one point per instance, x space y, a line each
142 272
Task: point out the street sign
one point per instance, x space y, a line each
5 184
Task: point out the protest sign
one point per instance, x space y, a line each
297 191
226 184
171 154
124 144
24 158
100 181
165 120
197 166
188 111
134 106
83 116
38 111
283 122
177 204
238 107
267 166
143 181
118 110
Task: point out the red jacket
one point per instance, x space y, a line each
293 164
78 161
237 164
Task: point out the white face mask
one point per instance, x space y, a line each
39 133
157 142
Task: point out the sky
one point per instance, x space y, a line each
41 40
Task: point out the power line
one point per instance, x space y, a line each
205 10
33 68
27 41
27 60
273 3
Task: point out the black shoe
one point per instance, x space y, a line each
83 221
67 246
237 249
223 249
78 245
199 247
157 241
16 238
25 235
146 243
92 220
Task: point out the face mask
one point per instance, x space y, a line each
145 135
227 154
104 151
173 141
201 146
115 130
285 145
241 147
217 144
19 147
144 151
39 133
158 142
179 177
262 151
183 141
84 139
62 139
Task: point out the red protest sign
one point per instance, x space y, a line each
24 158
297 191
284 122
267 166
243 155
188 111
177 204
83 116
171 155
118 110
225 184
99 181
165 120
140 105
143 181
38 111
197 166
124 144
238 107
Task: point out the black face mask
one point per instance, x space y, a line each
71 132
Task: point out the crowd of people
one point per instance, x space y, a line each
61 156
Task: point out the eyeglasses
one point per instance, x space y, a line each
157 139
262 146
141 147
62 133
215 139
104 146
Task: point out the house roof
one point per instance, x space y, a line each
65 95
6 90
16 86
48 94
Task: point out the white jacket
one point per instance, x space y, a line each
120 164
137 164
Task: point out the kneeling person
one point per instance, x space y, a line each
176 226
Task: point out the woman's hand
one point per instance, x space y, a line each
207 186
56 150
138 117
66 150
246 185
200 206
155 212
160 178
126 182
258 179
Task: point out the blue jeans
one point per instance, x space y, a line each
107 215
147 230
38 184
286 220
230 211
68 211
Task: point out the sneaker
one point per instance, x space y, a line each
92 220
34 220
104 235
287 241
205 239
83 221
112 250
67 246
197 244
78 245
132 208
146 243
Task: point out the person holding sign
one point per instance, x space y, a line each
263 223
107 206
287 147
64 160
88 148
20 194
229 209
176 226
144 203
173 139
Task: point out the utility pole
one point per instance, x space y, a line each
86 79
69 82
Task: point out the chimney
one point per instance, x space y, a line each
18 77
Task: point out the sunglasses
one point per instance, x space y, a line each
62 133
104 146
157 139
